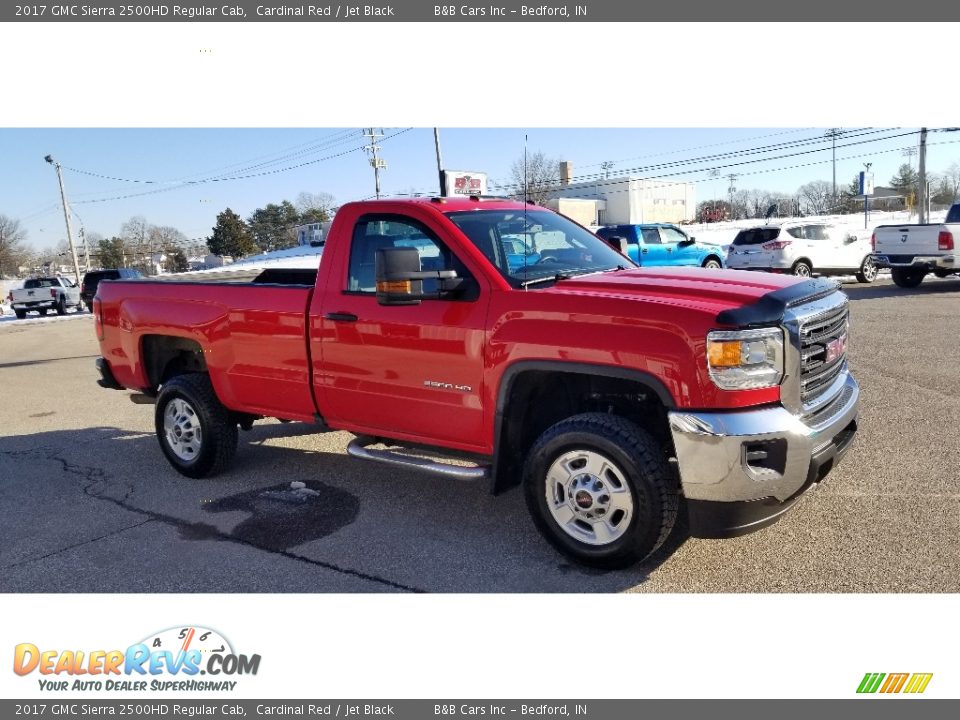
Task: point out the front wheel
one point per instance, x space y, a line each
711 263
600 490
868 271
197 433
907 277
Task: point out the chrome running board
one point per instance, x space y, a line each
358 448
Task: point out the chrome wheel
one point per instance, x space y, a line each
712 265
869 270
801 270
181 427
588 497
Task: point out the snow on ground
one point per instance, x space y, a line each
8 318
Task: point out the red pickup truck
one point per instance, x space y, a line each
512 345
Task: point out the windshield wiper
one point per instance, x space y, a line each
547 278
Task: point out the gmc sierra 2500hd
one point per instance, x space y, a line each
616 395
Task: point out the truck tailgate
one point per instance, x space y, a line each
908 239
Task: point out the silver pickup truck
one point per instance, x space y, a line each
43 294
913 251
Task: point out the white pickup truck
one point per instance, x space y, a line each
46 293
913 251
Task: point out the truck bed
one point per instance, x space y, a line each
253 328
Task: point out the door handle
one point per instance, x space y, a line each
341 317
644 251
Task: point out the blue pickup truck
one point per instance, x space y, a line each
661 244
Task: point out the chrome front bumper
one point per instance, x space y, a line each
763 454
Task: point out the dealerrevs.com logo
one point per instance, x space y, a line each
893 683
171 660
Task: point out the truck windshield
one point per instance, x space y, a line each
536 244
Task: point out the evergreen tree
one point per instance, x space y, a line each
906 181
273 226
231 236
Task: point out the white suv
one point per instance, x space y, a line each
803 249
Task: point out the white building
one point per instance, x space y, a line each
629 200
312 234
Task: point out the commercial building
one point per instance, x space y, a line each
625 200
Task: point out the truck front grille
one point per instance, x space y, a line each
823 354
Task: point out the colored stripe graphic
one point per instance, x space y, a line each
870 682
918 683
894 682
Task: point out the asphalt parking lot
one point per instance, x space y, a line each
91 505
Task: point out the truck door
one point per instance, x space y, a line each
413 372
678 254
652 251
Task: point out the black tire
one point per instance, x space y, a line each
942 274
43 312
641 462
712 263
62 306
802 268
217 425
868 271
21 314
907 277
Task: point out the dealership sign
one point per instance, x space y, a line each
462 182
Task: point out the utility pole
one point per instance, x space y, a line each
731 189
922 189
833 133
436 142
377 162
66 216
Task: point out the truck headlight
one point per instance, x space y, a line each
745 359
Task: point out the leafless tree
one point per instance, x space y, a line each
816 197
13 251
316 207
536 178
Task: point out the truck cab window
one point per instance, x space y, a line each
374 233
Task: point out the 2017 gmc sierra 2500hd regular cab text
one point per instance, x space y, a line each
616 395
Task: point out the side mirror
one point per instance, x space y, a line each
400 279
619 243
687 243
692 238
850 239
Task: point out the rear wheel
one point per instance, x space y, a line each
21 314
908 277
197 433
801 268
712 263
43 312
868 271
600 491
62 306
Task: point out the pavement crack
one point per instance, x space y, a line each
58 551
96 482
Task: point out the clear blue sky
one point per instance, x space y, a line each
28 187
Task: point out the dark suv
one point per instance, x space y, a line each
88 288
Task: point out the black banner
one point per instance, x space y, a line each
492 11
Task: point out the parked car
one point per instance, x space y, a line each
43 294
803 249
611 393
88 288
660 244
913 251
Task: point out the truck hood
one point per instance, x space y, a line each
710 291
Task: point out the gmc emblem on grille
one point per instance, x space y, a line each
835 348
